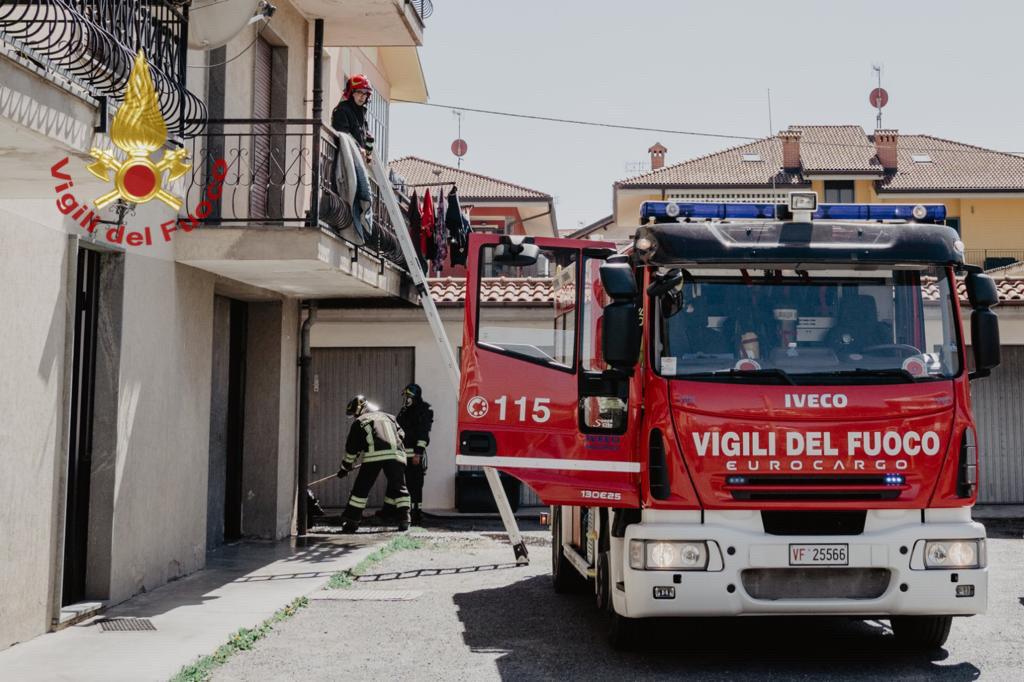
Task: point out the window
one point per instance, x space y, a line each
844 326
920 158
954 223
750 157
839 192
550 341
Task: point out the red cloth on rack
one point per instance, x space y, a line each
427 229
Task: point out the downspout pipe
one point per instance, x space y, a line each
305 386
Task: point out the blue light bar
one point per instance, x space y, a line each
894 479
933 213
663 211
669 211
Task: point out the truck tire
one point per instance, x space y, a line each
921 633
622 631
564 576
603 582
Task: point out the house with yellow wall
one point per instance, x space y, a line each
982 189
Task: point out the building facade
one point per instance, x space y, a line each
150 383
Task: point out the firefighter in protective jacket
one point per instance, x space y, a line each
378 438
416 418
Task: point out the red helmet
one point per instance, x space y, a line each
357 82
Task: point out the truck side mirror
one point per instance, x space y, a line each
984 342
981 290
620 322
516 251
983 294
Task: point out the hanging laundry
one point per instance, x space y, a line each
427 247
440 235
416 228
458 229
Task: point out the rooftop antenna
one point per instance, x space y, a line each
459 146
771 132
879 97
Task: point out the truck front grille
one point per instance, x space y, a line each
818 488
815 583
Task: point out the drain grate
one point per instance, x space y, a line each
126 625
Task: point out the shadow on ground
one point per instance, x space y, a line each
562 636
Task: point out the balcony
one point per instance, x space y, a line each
263 230
87 47
993 258
369 23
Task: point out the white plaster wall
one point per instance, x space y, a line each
376 327
34 309
163 421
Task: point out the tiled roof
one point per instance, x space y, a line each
1011 291
953 166
537 290
725 169
417 171
523 290
831 149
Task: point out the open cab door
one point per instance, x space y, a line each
537 399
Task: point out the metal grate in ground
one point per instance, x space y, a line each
126 625
366 595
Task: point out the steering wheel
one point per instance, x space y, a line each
904 349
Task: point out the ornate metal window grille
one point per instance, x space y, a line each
91 44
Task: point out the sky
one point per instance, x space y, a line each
952 69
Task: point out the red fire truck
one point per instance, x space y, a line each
755 409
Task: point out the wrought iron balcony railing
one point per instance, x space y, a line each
424 8
282 173
91 44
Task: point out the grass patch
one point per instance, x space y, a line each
243 640
343 579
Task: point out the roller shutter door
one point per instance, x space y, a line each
998 402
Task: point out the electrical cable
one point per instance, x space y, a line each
259 31
692 133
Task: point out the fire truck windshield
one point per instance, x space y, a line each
877 325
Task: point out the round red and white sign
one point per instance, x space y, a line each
477 406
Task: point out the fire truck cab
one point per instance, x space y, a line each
754 409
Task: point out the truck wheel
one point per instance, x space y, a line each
622 631
603 582
564 576
921 633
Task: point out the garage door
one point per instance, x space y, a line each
998 401
338 374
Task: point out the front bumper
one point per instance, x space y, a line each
720 591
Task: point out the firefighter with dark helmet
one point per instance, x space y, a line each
416 419
377 437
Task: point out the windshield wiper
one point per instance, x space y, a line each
741 373
885 372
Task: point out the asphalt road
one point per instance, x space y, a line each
485 619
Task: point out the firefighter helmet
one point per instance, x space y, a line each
357 82
413 391
356 406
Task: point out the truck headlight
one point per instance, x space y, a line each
668 555
954 553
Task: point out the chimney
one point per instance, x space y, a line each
885 146
657 152
790 148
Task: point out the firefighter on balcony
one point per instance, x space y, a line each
377 437
416 418
350 114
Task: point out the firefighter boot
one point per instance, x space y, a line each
403 519
417 515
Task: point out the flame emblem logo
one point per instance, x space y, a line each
139 130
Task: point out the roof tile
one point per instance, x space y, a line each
420 172
525 290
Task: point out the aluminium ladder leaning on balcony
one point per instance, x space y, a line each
412 262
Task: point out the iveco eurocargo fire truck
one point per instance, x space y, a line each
754 409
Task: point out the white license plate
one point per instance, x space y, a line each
819 555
